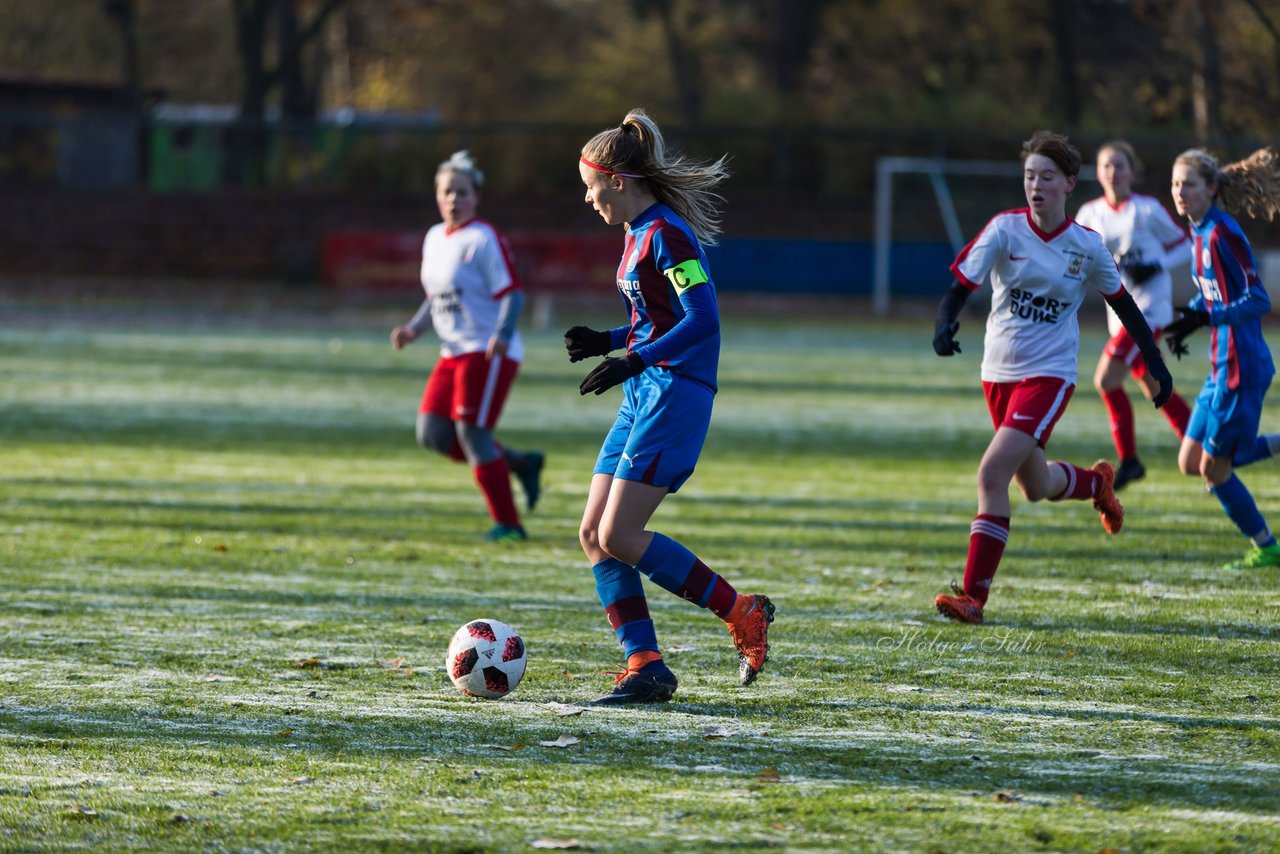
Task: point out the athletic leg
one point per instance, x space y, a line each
621 591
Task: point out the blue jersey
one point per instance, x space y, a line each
666 284
1223 268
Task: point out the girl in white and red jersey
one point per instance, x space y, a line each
1039 262
1147 243
473 299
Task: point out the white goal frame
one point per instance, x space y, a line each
936 169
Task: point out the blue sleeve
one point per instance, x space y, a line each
701 320
618 337
1233 260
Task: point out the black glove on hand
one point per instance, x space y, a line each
1189 320
944 338
1139 271
610 372
583 343
1159 372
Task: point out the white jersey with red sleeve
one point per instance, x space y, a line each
1038 280
466 272
1142 229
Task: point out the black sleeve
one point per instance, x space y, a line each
952 303
1134 323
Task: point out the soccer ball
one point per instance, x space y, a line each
486 658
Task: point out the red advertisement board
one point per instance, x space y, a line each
358 261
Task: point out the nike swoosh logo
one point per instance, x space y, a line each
1017 257
1019 417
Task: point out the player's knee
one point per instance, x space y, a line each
477 443
589 538
435 434
617 543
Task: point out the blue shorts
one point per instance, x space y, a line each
1224 421
659 431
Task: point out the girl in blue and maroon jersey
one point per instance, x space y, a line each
473 299
1223 432
668 377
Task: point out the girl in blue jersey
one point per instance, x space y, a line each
668 376
1223 432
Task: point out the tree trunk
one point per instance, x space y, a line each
1206 82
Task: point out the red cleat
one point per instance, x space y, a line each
1104 499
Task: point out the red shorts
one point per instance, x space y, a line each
469 388
1032 406
1121 348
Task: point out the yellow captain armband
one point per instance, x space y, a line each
686 274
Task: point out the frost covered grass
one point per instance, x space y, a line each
228 578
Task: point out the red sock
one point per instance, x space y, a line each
987 536
494 479
1121 411
1081 483
1177 413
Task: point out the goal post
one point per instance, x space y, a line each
936 170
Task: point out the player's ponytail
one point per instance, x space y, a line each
636 149
1250 186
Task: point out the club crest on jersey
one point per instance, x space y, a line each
1038 309
1075 263
633 259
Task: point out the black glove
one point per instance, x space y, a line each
1139 271
1159 372
944 338
1189 320
583 343
610 372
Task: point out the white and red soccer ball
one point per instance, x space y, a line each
486 658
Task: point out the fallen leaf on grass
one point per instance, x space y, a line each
902 689
306 663
220 547
769 775
1008 797
716 732
562 741
216 677
286 731
509 748
302 781
179 818
563 710
84 810
393 663
554 843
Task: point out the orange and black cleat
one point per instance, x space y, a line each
1104 499
750 633
961 607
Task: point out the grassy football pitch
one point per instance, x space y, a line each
229 576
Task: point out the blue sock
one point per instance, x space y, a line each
667 563
622 595
1243 510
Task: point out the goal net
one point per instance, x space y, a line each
924 201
